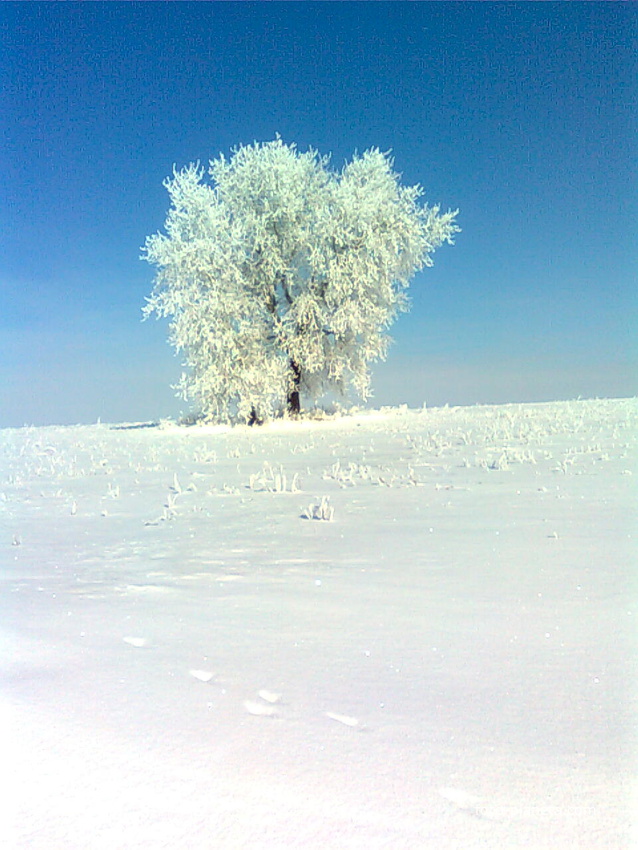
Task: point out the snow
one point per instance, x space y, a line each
196 653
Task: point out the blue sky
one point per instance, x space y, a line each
522 115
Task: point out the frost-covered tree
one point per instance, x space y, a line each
282 276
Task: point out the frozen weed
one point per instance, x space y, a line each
205 457
301 449
273 480
347 476
323 511
170 510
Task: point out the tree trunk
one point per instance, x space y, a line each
294 400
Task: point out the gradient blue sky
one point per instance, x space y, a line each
522 115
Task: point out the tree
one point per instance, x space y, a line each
283 276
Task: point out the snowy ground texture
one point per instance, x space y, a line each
403 629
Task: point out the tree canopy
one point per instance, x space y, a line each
282 276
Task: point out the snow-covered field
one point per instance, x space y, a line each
403 629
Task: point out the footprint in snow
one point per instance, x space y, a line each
465 802
346 720
269 696
265 706
135 641
202 675
259 709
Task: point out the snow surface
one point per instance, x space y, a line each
401 629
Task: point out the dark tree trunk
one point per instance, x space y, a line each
254 419
294 400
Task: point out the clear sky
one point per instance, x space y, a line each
522 115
